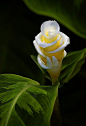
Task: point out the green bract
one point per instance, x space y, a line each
71 65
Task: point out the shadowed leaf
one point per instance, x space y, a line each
71 14
71 65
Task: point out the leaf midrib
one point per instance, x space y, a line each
13 104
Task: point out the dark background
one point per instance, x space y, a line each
18 28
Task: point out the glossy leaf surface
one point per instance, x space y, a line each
71 14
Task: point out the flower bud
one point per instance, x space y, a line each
50 44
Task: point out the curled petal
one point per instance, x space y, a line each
55 72
37 47
42 64
54 61
49 63
65 53
43 44
61 41
49 26
66 42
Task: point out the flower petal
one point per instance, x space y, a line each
65 53
54 61
66 42
43 44
37 47
42 64
50 25
49 63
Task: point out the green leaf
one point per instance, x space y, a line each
17 32
34 58
69 13
71 65
23 102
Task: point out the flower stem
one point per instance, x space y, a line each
56 119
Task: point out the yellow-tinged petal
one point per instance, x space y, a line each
49 40
50 29
55 72
58 54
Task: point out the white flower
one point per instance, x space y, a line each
50 44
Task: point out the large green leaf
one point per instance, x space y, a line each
71 14
23 102
71 65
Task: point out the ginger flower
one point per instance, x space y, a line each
50 44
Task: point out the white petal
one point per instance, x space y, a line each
66 42
50 25
54 61
51 32
49 63
43 44
61 41
65 53
37 47
41 63
54 73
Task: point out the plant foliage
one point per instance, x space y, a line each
28 96
71 65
